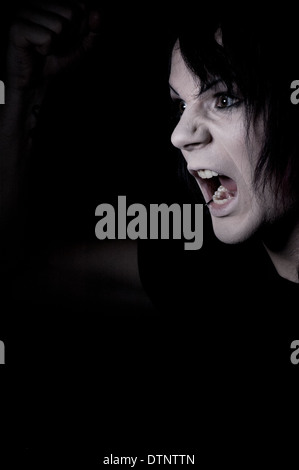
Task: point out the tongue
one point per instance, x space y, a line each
228 183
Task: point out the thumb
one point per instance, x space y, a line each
87 43
94 25
94 21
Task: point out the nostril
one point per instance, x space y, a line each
197 140
190 133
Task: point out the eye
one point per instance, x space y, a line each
226 101
181 106
177 108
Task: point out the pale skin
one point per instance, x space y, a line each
211 136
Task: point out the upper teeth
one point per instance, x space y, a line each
207 173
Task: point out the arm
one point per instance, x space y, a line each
45 39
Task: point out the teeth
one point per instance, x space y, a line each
206 174
221 195
221 201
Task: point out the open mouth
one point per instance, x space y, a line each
218 188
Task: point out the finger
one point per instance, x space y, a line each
94 25
94 22
88 41
68 10
52 21
25 34
59 19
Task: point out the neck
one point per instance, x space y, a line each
283 249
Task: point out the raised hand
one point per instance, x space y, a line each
46 37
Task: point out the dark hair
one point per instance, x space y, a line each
257 54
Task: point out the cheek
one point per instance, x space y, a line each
244 152
242 159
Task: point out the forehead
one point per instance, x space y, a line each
180 77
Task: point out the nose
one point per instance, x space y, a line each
191 131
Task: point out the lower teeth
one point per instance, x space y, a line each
222 195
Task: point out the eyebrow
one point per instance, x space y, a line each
209 85
204 89
173 90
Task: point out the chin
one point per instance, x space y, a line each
232 233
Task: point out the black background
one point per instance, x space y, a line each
93 367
